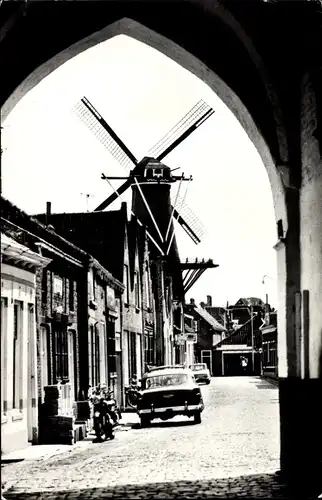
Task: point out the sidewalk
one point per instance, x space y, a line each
46 451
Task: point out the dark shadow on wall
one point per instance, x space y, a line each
250 486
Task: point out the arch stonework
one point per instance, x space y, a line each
285 133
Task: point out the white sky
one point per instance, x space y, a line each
49 155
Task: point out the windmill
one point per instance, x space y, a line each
151 180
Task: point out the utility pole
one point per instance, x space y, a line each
252 332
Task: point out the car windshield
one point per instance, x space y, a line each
165 380
198 367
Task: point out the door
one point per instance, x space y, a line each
71 363
31 388
43 360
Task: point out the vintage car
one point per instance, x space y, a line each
201 372
169 391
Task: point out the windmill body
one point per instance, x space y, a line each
151 195
150 181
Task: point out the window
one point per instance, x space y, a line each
65 294
147 286
97 356
71 362
44 289
17 354
165 380
111 356
44 358
126 284
94 283
117 342
92 348
71 295
136 290
103 357
4 316
61 353
132 354
148 349
58 286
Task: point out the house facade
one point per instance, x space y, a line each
114 243
132 317
240 352
19 384
147 302
75 335
269 345
209 333
103 299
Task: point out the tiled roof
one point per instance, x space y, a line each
99 233
210 319
242 335
247 302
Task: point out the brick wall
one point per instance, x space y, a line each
47 301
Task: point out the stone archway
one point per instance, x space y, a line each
276 143
189 62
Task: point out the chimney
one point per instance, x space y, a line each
209 301
192 302
48 211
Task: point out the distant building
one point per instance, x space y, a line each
269 345
240 352
219 313
209 332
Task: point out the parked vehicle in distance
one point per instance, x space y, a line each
167 392
201 372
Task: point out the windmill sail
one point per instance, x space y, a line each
105 134
190 122
189 221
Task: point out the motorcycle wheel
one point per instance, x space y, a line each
99 433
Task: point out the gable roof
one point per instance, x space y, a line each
101 234
32 232
210 319
242 335
32 227
248 302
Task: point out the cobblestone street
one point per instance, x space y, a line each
234 451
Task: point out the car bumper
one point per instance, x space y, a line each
202 378
171 409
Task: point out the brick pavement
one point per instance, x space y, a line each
233 452
253 486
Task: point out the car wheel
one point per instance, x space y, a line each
145 421
197 418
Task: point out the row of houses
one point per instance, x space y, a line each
79 307
240 339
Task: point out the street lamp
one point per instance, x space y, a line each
266 276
